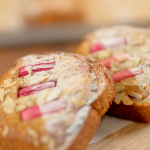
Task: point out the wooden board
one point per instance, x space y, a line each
135 136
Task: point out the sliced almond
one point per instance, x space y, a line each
1 94
126 100
51 144
119 88
119 97
11 84
5 131
79 103
7 81
131 83
20 107
7 91
65 90
32 133
86 81
8 110
44 139
136 95
14 71
92 76
9 102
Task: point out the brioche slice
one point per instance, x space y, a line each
53 101
125 51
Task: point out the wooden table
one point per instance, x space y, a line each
135 136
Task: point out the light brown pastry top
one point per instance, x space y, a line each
78 86
137 41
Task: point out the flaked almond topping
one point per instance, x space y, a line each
119 97
32 132
126 100
14 71
92 76
7 91
20 107
44 139
8 110
9 102
53 94
5 131
119 88
65 90
36 143
147 88
10 84
1 94
86 81
136 95
51 144
79 103
7 81
84 95
130 83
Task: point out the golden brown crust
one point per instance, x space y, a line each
138 112
17 138
88 130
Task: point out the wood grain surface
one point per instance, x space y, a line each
135 136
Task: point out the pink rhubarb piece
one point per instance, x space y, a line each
126 74
36 68
37 111
28 90
107 43
121 58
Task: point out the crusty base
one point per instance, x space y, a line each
87 132
137 112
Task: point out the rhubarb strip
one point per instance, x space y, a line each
126 74
28 90
120 58
37 111
107 43
36 68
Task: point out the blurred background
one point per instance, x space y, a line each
35 26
